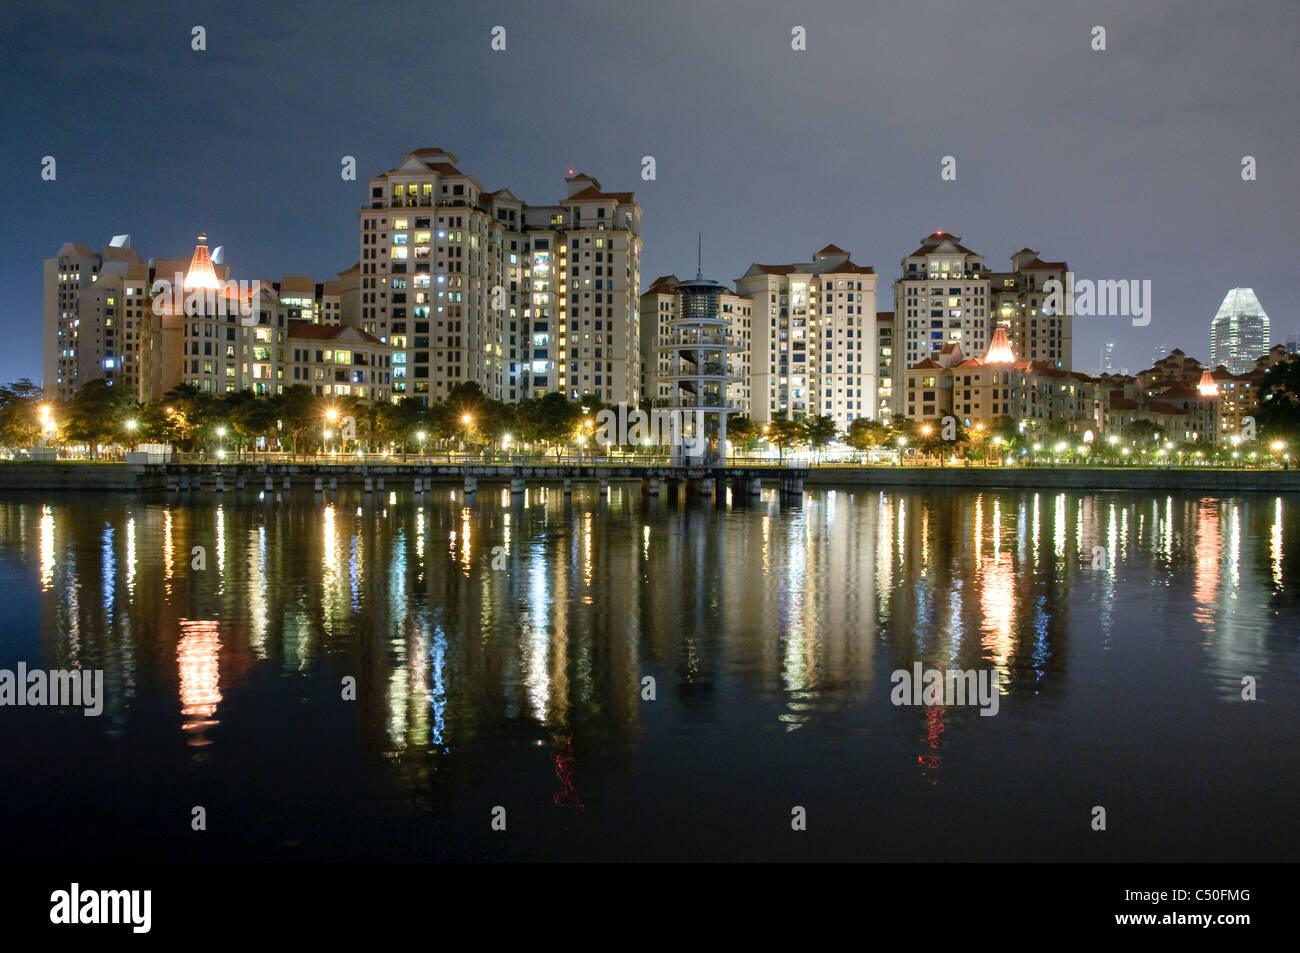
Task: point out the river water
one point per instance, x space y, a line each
393 677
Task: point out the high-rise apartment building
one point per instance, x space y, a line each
812 338
1018 297
947 295
206 329
471 286
1239 333
944 297
96 306
885 380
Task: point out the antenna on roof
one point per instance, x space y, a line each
699 256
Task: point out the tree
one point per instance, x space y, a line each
300 414
785 435
1278 413
819 431
904 429
550 419
95 413
20 418
863 434
743 432
1140 433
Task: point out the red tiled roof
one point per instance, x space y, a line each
884 316
592 194
1160 407
775 269
832 250
326 332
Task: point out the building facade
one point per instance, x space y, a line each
471 286
1239 333
813 347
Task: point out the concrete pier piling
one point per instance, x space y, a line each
471 485
517 485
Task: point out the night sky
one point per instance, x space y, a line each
1126 163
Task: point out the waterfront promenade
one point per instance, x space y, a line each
749 478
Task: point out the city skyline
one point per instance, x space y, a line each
1188 137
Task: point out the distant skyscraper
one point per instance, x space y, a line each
1108 357
1239 332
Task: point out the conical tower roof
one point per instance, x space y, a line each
1208 386
201 274
999 349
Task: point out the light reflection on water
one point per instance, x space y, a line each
541 616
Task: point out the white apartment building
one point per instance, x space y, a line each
475 286
947 295
813 338
943 298
95 307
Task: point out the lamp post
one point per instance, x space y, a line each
221 436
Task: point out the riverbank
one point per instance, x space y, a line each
1152 479
141 477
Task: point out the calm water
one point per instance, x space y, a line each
771 632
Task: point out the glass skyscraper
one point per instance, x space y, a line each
1239 332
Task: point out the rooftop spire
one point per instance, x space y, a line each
999 349
201 274
1208 386
699 256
